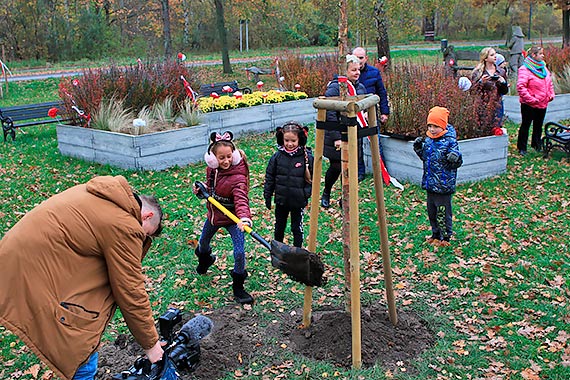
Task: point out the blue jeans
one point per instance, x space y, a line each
238 240
88 370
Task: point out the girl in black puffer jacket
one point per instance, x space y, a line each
288 176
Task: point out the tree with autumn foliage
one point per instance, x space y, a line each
563 5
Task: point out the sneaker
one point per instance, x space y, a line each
360 177
326 200
522 152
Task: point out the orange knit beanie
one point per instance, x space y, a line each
438 116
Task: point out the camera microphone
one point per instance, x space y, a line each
195 329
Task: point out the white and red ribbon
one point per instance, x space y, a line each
388 179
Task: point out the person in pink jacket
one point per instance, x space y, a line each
535 89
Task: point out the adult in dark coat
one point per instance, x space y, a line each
68 264
371 78
332 138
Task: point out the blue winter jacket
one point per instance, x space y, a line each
371 78
440 175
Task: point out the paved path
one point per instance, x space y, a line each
38 74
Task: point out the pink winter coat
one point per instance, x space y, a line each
534 91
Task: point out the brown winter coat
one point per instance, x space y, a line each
67 264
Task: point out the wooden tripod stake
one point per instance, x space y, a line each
351 106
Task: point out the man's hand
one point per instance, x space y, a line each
268 203
383 119
155 353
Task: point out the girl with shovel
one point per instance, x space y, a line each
227 180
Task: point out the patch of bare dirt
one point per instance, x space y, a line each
237 338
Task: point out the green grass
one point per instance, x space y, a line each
497 298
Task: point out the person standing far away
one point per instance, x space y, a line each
289 177
535 88
69 263
371 78
490 81
516 46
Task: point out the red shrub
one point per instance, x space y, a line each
137 86
415 88
556 58
312 73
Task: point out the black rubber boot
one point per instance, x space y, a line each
205 260
240 295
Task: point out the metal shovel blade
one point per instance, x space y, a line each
298 263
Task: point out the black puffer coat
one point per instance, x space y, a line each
285 176
333 89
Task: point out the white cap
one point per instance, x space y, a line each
464 83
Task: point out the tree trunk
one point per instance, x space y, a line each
566 28
221 25
186 17
342 44
342 51
382 42
166 27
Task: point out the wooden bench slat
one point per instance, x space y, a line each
32 114
207 88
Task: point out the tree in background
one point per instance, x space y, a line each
221 25
382 41
165 7
56 30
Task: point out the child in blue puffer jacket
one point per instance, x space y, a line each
441 157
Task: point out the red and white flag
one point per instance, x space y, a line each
189 91
388 179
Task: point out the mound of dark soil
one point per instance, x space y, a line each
237 338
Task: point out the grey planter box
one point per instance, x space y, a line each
161 150
558 109
262 118
153 151
483 157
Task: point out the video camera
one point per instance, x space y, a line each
182 352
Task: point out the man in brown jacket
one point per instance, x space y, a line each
66 266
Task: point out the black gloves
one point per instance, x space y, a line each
419 145
452 157
268 203
454 160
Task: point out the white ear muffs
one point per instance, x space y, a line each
236 157
211 160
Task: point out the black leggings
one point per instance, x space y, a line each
331 176
281 215
536 117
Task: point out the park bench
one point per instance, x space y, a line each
28 115
453 58
556 136
256 71
207 89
